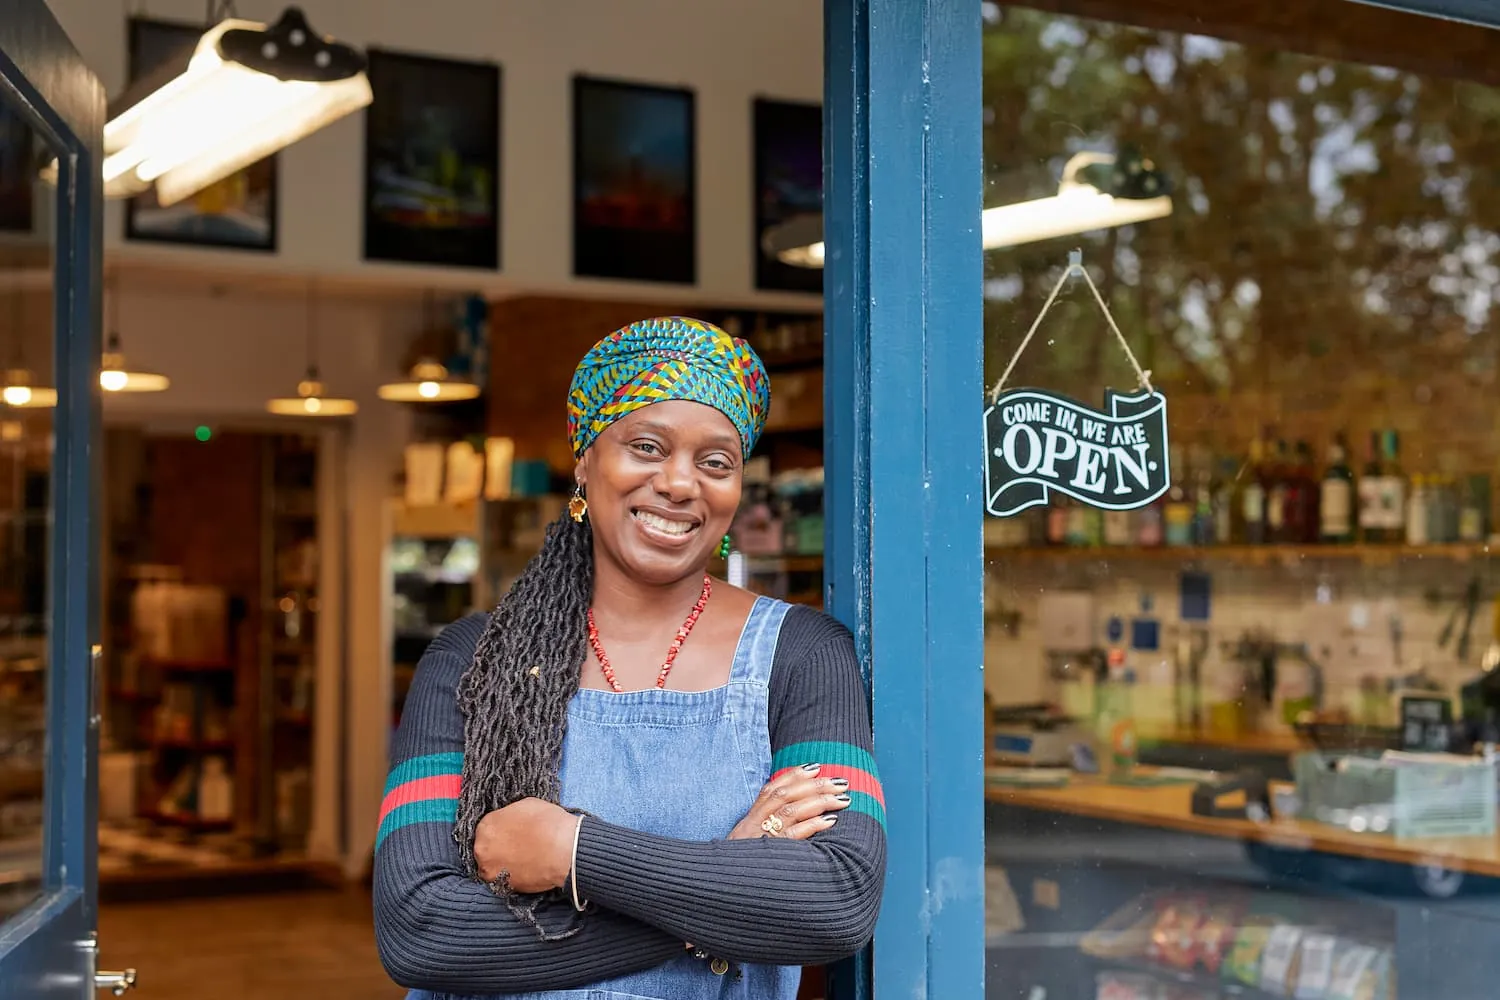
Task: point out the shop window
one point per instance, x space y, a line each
1240 740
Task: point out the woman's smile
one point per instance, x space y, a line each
669 528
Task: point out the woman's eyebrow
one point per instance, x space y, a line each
723 438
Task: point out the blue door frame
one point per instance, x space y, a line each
48 951
903 375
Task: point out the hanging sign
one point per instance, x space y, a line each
1036 442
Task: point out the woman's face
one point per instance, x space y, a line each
663 484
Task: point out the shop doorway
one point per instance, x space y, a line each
216 599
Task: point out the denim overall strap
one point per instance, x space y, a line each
750 685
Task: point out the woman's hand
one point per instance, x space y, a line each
531 839
795 806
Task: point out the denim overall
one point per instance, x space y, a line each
683 764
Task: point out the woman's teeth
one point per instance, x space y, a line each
662 524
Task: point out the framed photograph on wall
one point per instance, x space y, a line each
788 183
432 161
634 182
237 212
18 172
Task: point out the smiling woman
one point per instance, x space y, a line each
631 777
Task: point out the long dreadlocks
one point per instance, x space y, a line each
515 694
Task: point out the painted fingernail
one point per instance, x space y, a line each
830 818
843 799
839 782
810 768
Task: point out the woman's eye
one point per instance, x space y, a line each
646 448
718 464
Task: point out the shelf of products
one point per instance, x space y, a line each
288 661
1225 942
1278 497
1250 554
434 559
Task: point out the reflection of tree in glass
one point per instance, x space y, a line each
1323 211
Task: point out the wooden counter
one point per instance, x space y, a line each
1169 807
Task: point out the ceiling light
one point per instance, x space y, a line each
248 91
1132 191
113 375
20 391
429 382
310 401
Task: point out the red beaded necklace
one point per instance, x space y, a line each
677 641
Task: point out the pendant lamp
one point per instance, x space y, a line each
310 400
18 387
429 381
249 89
114 376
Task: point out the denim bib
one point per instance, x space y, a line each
683 764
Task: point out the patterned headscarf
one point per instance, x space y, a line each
667 358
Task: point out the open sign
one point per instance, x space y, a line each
1035 441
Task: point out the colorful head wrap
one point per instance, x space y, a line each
667 358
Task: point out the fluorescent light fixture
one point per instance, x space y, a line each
20 391
248 91
429 383
1078 207
310 401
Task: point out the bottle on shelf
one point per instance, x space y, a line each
1204 487
1302 494
1382 495
1252 496
1057 520
1228 518
1178 511
1336 518
1473 515
1419 511
1278 487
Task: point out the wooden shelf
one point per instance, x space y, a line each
1169 807
1251 554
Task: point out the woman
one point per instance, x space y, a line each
631 780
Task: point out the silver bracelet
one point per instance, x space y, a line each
573 869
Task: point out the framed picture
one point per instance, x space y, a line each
788 183
634 182
18 172
432 161
237 212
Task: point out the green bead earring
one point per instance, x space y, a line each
723 549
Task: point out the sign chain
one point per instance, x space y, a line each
1075 267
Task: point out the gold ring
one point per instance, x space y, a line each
772 826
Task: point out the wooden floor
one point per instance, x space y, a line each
315 944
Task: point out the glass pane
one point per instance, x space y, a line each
26 422
1314 602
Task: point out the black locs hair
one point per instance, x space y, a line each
515 694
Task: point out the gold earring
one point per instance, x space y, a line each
578 506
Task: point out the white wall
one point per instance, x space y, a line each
728 52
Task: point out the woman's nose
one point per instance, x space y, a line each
678 480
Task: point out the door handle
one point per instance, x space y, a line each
118 983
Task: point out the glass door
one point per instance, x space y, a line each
51 109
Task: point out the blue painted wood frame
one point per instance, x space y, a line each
903 391
47 951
